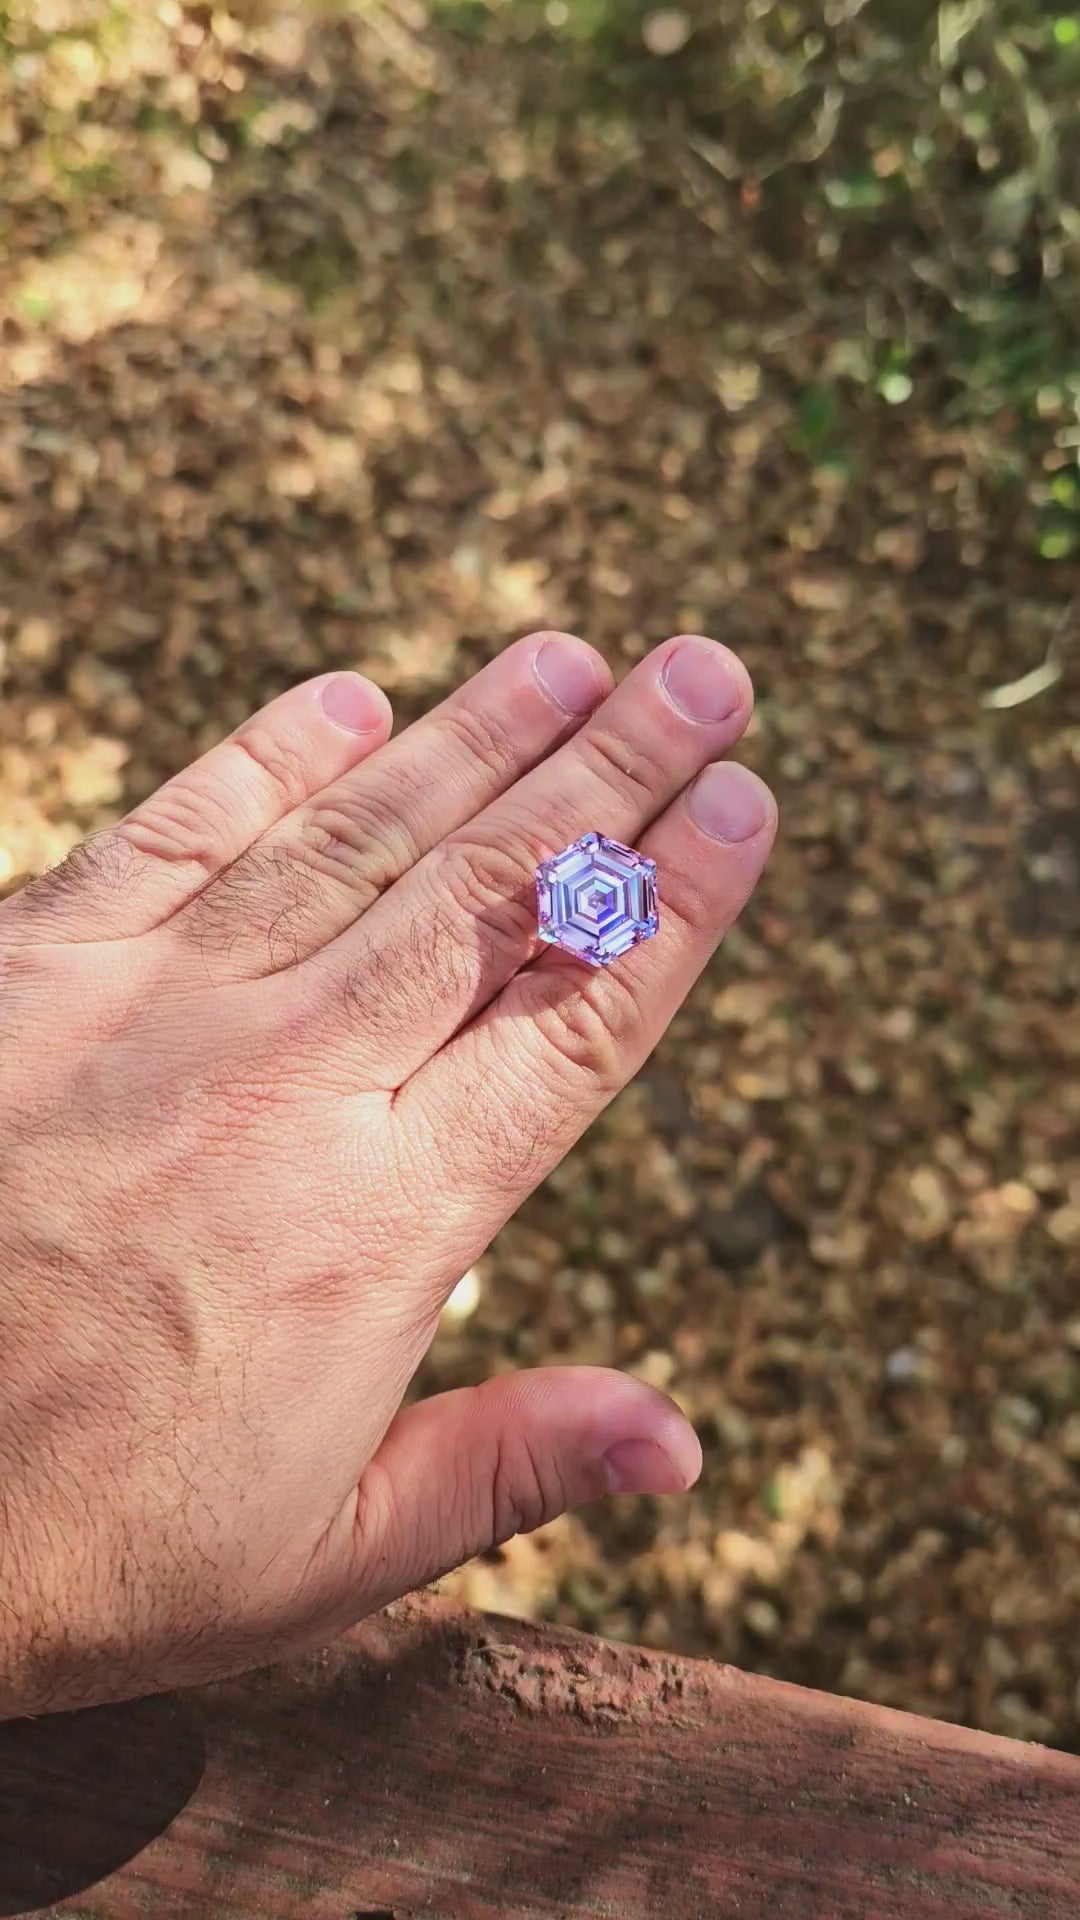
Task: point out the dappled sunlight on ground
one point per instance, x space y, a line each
376 335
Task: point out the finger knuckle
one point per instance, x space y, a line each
525 1493
632 771
381 989
106 863
180 823
484 738
368 991
521 1135
438 962
484 880
376 1515
352 839
585 1029
281 761
267 893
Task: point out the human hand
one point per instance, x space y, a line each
279 1054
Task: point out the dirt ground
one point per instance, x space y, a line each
310 355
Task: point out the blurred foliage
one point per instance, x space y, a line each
918 161
914 167
370 332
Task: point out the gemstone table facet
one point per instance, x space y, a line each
596 899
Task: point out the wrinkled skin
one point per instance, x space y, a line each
278 1056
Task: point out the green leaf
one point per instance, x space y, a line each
841 465
1057 543
35 305
896 387
817 416
955 21
856 192
1065 490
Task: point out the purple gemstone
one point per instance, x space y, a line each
596 899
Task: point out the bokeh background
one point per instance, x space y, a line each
376 334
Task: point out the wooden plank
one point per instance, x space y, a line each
466 1768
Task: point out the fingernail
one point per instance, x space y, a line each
699 681
352 702
640 1466
569 676
730 803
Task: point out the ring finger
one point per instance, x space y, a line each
455 929
502 1104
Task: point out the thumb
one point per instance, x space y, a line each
464 1471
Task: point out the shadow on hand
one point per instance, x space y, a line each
83 1793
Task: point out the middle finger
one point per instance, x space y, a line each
313 873
436 948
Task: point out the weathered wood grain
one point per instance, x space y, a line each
463 1768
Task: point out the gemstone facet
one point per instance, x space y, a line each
596 899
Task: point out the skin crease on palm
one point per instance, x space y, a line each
279 1054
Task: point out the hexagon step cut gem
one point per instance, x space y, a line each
596 899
